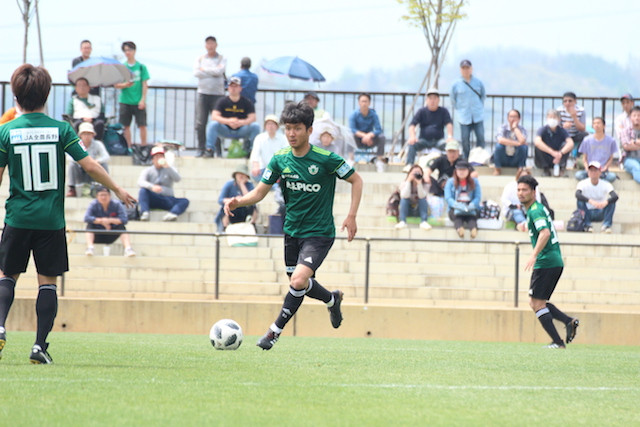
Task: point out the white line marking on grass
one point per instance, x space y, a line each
490 387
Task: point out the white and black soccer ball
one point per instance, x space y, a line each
226 334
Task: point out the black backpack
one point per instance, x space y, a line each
576 222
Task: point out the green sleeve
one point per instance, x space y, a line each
72 143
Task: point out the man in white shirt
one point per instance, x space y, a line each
265 146
597 199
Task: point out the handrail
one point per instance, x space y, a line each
367 241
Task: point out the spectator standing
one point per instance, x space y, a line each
630 140
367 131
511 148
552 146
623 120
432 120
265 145
596 198
467 99
210 71
248 80
156 188
233 117
34 217
413 198
600 148
83 107
96 149
104 213
463 196
133 97
573 118
239 185
85 53
546 262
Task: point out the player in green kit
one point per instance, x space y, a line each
307 177
33 147
547 264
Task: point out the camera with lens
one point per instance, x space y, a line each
418 175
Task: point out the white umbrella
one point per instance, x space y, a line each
101 71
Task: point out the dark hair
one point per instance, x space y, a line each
245 63
528 180
82 78
569 95
130 45
364 94
211 38
102 188
84 41
515 111
31 86
599 118
470 181
297 113
636 108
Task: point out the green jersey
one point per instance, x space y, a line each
308 185
33 146
132 95
538 218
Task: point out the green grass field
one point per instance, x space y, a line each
116 379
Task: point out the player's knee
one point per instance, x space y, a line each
299 281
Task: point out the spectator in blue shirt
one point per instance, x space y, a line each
249 80
467 99
365 125
104 213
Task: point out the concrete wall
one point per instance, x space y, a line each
430 323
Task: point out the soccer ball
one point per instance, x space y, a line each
226 334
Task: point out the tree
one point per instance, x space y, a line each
437 19
28 8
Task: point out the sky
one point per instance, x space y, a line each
333 35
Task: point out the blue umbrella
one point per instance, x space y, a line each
101 71
293 67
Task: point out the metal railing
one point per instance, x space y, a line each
367 240
171 109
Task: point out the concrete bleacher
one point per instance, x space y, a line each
442 272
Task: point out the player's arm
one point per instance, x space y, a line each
543 238
1 174
356 194
251 198
98 173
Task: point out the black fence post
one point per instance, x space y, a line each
217 265
516 275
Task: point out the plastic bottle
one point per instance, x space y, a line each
556 170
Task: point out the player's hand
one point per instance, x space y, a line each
351 226
530 263
125 197
230 205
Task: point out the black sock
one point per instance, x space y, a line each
291 304
46 310
545 318
557 314
317 291
7 292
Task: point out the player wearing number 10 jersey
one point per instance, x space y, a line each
33 147
546 261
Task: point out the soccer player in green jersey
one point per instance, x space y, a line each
33 147
546 261
307 177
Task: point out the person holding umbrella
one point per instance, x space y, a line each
85 53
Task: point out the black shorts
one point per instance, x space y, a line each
543 282
106 239
49 251
128 111
309 251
